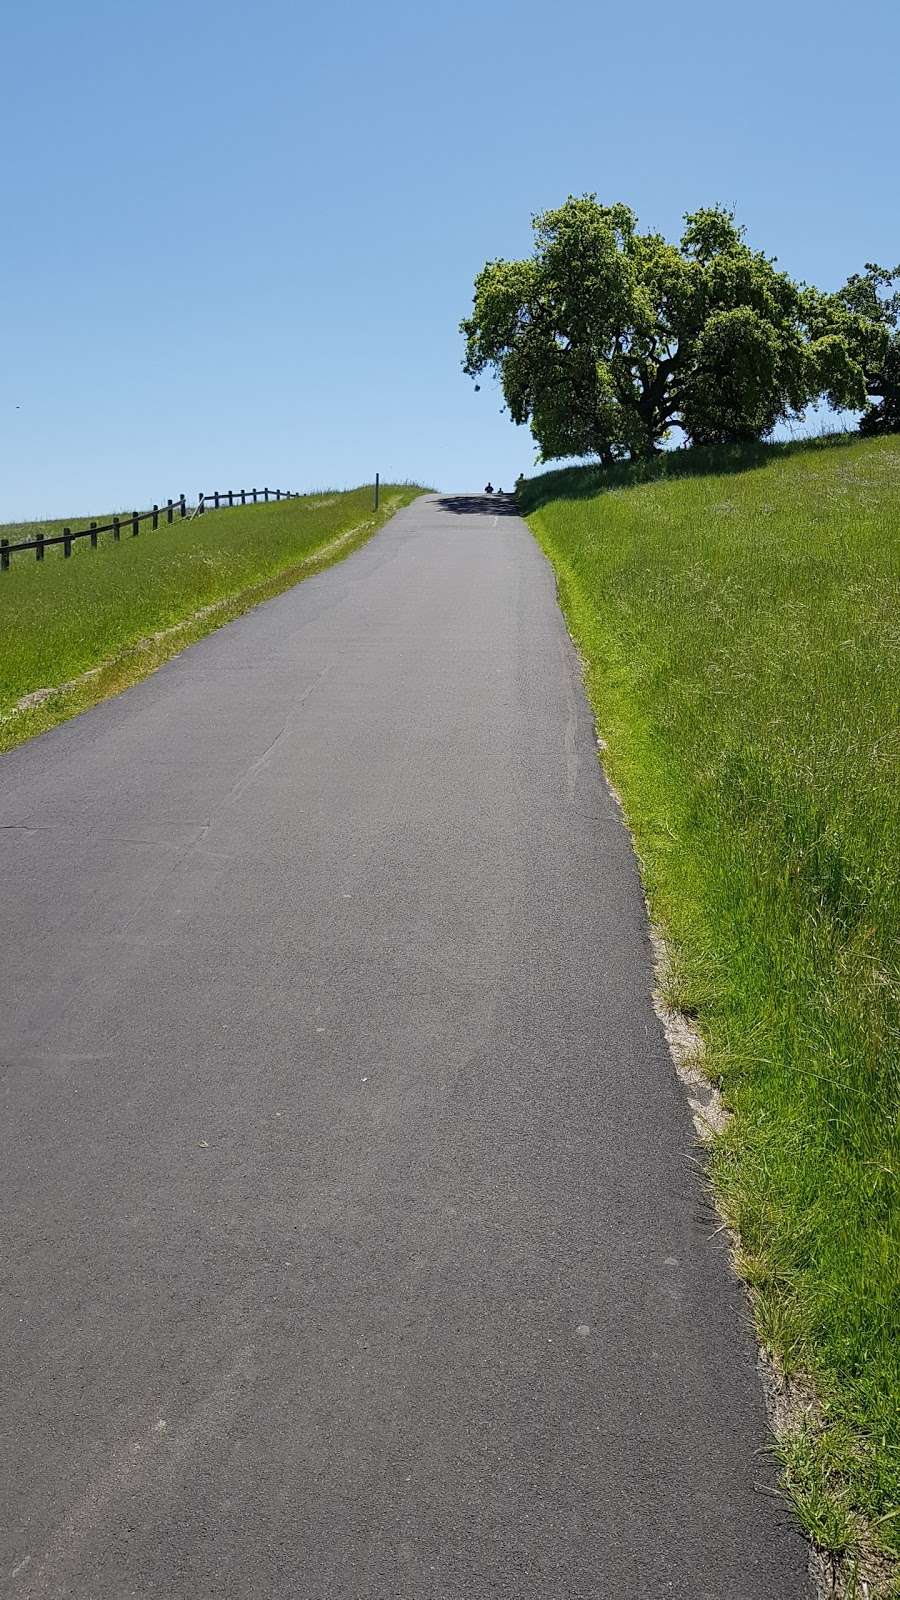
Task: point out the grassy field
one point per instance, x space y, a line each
739 616
118 611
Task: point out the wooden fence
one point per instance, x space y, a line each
131 523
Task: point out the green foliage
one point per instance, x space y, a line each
736 609
874 305
606 338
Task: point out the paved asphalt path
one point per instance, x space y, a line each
353 1248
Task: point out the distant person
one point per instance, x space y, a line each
489 487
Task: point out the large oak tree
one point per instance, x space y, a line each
605 338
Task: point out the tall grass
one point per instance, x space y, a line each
739 614
106 607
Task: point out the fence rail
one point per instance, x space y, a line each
131 522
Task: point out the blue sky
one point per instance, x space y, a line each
239 239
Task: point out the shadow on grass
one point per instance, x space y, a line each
581 483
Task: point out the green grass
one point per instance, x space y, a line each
106 608
739 616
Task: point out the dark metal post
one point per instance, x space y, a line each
377 486
67 542
39 548
169 512
4 555
115 527
93 535
134 524
155 515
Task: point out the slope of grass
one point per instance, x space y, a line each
739 616
118 611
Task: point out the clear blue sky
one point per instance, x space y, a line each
239 238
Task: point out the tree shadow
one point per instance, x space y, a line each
479 505
582 483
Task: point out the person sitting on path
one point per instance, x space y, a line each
489 487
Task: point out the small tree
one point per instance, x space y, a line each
606 338
874 304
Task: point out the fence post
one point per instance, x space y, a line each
201 504
277 494
115 528
230 498
169 512
4 555
254 497
266 496
155 515
134 524
67 542
93 535
377 487
183 504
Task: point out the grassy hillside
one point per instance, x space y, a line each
123 608
739 614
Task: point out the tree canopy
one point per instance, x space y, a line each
605 338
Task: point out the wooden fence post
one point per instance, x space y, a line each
39 548
67 542
230 498
169 512
266 496
277 494
183 504
155 515
4 555
134 525
254 497
93 535
116 528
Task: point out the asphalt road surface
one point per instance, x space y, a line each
352 1243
